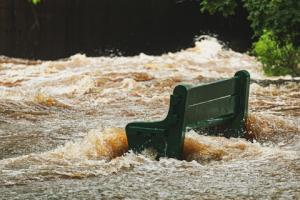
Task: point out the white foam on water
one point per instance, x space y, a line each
117 90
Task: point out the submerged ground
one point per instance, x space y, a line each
62 130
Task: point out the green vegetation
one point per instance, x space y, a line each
35 2
226 7
278 59
277 25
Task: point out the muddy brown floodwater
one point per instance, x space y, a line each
62 130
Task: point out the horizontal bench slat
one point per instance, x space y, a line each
210 109
146 130
211 91
212 122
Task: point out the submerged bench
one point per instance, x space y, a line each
218 107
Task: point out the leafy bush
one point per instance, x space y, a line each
277 59
277 48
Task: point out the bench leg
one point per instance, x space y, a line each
145 135
242 107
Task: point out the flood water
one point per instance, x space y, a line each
62 130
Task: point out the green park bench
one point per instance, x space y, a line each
219 108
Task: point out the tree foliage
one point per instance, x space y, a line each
277 25
282 17
226 7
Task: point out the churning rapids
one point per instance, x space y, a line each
62 130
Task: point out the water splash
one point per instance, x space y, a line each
51 112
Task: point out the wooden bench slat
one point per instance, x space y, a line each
205 92
212 122
210 109
146 130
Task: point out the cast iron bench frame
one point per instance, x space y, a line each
219 104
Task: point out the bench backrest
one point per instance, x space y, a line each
211 104
210 101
